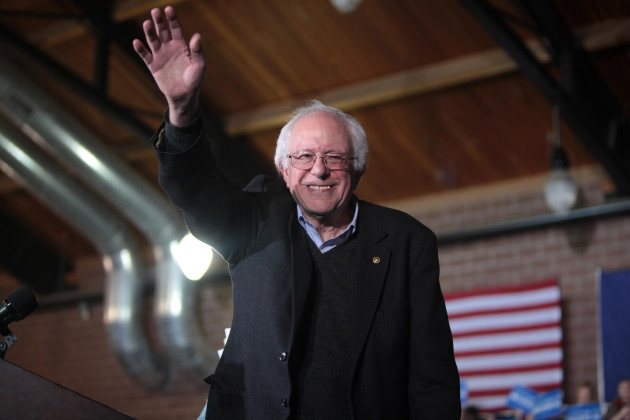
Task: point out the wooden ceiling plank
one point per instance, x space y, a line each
440 75
133 9
67 29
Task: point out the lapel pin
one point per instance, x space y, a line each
376 260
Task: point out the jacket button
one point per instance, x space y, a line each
283 356
284 402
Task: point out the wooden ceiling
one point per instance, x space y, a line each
444 106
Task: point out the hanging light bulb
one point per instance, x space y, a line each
345 6
560 188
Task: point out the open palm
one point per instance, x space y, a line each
176 66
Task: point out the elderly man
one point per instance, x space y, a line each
338 312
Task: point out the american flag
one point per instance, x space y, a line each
507 336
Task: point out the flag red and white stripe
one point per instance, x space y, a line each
507 336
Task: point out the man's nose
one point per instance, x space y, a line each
319 167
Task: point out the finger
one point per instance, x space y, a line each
160 25
195 45
142 51
173 23
149 33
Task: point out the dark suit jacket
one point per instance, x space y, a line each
402 353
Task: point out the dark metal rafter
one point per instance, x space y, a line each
582 95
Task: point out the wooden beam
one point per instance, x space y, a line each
592 174
448 73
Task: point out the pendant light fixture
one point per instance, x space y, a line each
560 188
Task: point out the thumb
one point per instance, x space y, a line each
195 46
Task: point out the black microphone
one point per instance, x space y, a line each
17 306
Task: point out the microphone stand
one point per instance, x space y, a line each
8 341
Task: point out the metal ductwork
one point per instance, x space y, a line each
28 165
125 190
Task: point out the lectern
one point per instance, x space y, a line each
25 395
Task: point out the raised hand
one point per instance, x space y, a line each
176 66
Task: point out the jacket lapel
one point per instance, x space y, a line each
302 270
372 272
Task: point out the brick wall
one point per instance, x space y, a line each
545 254
572 253
68 343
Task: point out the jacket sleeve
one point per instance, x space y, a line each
216 210
433 376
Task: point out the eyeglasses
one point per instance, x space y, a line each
333 161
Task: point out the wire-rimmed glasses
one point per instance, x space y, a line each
333 161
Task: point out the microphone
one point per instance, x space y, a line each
17 306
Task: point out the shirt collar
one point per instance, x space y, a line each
331 243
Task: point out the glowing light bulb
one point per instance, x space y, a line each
193 257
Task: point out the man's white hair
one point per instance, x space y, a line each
357 135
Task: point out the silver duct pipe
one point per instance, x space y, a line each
37 172
131 195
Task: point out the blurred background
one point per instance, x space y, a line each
501 125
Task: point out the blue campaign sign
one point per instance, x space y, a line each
614 293
522 398
590 411
548 405
463 392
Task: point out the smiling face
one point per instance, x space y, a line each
322 194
